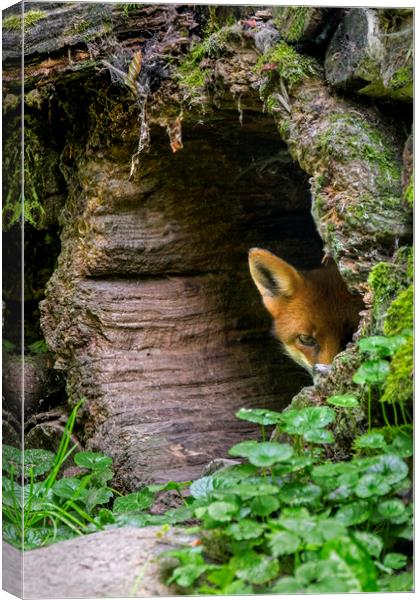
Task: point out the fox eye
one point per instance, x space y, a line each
306 340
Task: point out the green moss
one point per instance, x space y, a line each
399 383
14 22
400 313
290 65
402 79
408 194
190 74
292 21
386 280
349 137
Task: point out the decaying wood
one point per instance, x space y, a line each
151 311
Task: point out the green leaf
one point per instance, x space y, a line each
283 542
187 574
222 511
263 506
372 484
393 510
246 529
134 502
92 460
287 585
251 490
263 570
402 582
343 401
370 440
372 372
372 543
356 559
297 494
203 487
105 517
178 515
261 416
100 478
39 347
319 436
395 561
392 468
300 421
243 448
39 461
294 464
381 346
68 487
97 496
353 513
402 445
266 454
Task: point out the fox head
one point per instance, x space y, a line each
314 314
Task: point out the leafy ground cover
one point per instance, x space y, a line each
285 519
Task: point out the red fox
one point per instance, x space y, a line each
314 314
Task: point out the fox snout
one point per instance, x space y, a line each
314 314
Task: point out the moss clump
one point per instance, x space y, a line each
349 137
14 22
400 313
408 194
388 279
292 21
399 383
191 75
290 65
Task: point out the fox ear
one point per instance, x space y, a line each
272 275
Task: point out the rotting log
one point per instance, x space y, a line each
150 311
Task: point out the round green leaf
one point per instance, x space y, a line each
187 574
251 490
294 464
283 542
402 445
297 494
39 461
392 510
343 401
243 448
261 416
287 585
246 529
263 570
391 467
371 542
319 436
370 440
303 420
222 511
92 460
68 487
353 513
395 561
381 346
134 502
263 506
372 372
201 488
266 454
372 484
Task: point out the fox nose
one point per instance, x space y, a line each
320 369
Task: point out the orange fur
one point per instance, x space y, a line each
315 304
